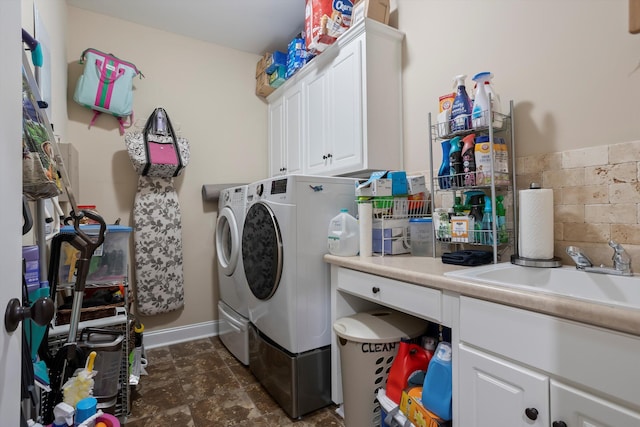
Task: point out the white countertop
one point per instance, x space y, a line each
425 271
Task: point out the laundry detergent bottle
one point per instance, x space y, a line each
461 107
456 169
469 160
437 389
411 358
344 235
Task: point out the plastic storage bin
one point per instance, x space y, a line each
421 236
109 262
368 344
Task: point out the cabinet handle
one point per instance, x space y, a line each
329 155
559 424
375 289
531 413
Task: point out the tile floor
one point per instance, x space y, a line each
200 384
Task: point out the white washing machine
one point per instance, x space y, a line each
233 308
283 242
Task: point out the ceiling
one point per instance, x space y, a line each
253 26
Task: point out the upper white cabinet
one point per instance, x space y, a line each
285 133
351 106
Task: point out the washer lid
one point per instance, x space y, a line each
262 251
227 241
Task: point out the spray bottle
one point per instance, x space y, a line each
461 108
496 106
63 415
480 112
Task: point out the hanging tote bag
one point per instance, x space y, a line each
157 151
106 86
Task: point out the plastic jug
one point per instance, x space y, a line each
344 235
410 358
436 392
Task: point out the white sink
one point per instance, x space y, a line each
564 281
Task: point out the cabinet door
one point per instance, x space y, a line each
579 409
316 98
345 124
293 126
276 136
496 393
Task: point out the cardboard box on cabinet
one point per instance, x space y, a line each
378 10
263 88
325 21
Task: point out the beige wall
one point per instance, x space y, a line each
208 91
566 64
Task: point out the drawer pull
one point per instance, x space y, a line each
531 413
375 289
559 424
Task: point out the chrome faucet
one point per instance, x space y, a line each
621 261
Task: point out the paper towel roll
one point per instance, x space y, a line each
365 219
535 238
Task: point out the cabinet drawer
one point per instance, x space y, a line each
601 359
416 300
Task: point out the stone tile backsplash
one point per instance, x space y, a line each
596 197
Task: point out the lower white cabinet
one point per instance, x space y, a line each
520 368
571 407
497 393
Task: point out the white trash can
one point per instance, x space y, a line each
368 344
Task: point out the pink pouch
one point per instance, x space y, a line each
162 154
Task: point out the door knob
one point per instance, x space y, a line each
531 413
41 312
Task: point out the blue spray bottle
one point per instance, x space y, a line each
461 107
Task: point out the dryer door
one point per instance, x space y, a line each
227 241
262 251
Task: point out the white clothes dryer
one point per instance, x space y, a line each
233 309
283 242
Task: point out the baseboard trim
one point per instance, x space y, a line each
180 334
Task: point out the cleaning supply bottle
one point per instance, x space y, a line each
344 235
410 359
487 222
437 389
496 106
444 181
457 206
476 202
461 107
480 111
501 220
455 162
63 415
469 160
